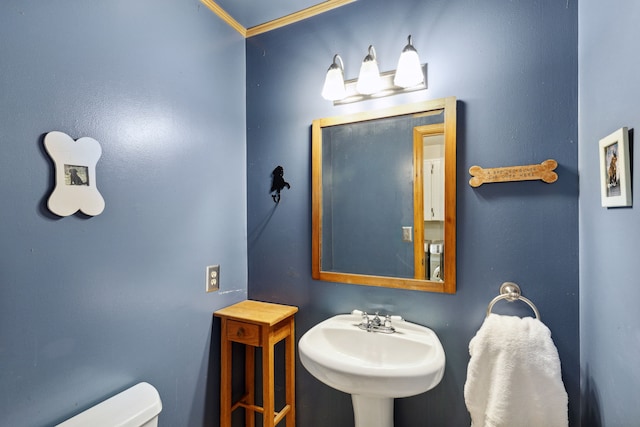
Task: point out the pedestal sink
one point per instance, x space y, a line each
373 367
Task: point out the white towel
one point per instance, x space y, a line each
513 377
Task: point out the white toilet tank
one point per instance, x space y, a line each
138 406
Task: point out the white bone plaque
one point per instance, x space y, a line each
75 163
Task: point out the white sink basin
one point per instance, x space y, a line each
373 367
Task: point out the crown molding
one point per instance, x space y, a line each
225 16
276 23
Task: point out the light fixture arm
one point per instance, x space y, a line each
371 56
409 47
335 64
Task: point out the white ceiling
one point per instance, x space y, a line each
250 13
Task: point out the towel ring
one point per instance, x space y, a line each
511 292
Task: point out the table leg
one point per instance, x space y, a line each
250 384
268 384
225 378
290 378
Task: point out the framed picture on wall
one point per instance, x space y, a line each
75 174
615 169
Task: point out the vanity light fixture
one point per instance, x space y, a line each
409 71
333 88
370 83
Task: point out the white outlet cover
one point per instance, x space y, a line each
75 164
213 278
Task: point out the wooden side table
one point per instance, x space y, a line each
257 324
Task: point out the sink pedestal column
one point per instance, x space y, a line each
370 411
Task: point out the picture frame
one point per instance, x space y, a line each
75 175
615 169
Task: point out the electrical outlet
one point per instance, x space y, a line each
213 278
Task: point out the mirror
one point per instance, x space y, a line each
384 197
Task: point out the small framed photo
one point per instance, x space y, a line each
615 169
75 173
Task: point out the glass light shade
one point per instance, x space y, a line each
369 81
409 71
333 88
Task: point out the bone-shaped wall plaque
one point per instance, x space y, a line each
542 171
75 163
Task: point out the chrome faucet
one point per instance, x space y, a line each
376 324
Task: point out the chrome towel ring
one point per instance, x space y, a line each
511 292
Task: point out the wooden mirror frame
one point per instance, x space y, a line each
448 105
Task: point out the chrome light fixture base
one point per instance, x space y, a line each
388 88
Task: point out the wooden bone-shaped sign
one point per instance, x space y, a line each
542 171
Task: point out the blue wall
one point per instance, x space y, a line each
609 271
513 68
90 306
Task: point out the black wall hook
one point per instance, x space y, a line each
278 183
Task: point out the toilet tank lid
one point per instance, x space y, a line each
130 408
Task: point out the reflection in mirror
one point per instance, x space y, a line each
428 202
384 197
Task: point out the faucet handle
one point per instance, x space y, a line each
387 321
